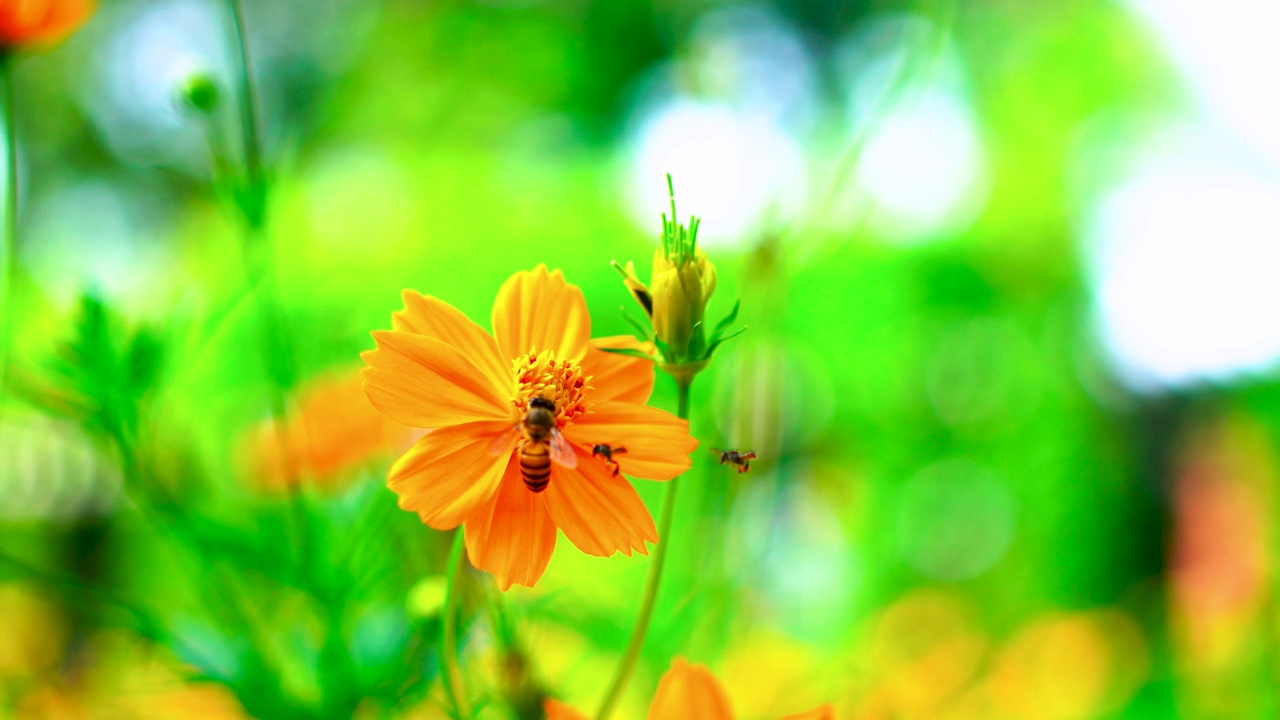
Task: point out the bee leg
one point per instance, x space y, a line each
616 469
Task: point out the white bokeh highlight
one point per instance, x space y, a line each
924 171
727 121
739 173
1183 250
1185 261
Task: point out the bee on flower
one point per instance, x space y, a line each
514 419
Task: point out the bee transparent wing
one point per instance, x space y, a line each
504 443
562 452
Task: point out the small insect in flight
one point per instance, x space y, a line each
741 460
607 452
541 444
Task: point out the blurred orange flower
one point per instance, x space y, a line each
687 691
331 431
40 21
437 369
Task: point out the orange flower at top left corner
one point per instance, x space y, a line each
514 419
24 22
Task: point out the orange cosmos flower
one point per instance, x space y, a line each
516 416
687 691
330 432
40 21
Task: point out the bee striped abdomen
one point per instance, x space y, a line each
535 466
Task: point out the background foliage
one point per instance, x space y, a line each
992 485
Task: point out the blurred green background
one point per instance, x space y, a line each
1008 274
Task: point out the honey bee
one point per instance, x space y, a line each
607 452
541 444
741 460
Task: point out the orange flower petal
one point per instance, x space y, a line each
689 691
619 377
25 21
450 473
822 712
658 443
331 430
65 16
599 513
513 536
424 382
556 710
433 317
540 310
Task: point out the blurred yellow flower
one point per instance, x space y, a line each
486 464
1069 666
685 692
923 650
119 676
25 22
33 631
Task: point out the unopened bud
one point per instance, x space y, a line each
200 93
676 299
681 287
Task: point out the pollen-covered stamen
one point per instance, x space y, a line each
539 373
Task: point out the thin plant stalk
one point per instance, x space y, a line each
9 259
452 677
251 200
248 101
623 674
251 194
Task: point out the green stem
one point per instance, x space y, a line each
76 590
248 100
9 254
251 200
452 680
632 655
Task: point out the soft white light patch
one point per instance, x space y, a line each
1185 266
755 60
131 90
921 172
923 169
1228 53
740 174
93 235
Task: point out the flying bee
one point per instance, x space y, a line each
541 444
741 460
607 452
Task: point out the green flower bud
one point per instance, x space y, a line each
200 93
675 300
681 287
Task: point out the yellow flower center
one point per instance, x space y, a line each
539 374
